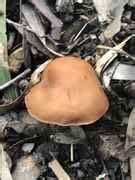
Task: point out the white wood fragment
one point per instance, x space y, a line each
58 170
4 169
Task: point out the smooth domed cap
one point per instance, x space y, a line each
69 93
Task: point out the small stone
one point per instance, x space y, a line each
28 147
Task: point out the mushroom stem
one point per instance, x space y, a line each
72 152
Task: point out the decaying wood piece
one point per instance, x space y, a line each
58 170
5 76
4 169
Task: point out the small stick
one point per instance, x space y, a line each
20 28
58 170
116 50
17 78
72 152
82 29
20 8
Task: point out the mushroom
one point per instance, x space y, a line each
69 94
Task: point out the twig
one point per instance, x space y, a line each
22 26
17 78
116 50
22 141
58 170
82 29
20 7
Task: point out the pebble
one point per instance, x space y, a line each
28 147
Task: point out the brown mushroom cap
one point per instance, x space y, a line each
69 93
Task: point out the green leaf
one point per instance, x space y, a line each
10 93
